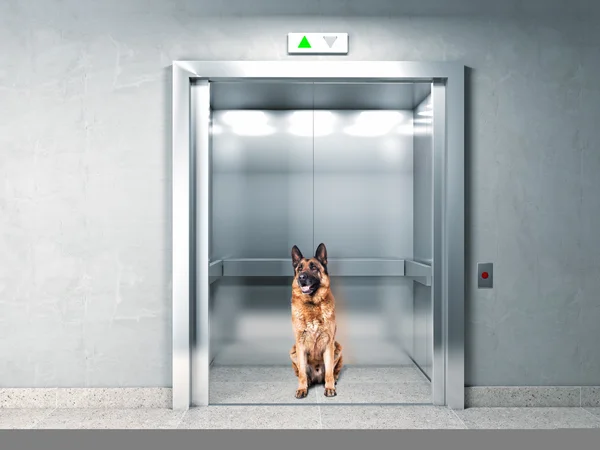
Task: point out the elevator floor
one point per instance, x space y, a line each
255 373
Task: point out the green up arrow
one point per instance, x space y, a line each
304 43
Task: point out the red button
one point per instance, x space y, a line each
484 275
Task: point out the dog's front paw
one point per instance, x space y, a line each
330 392
301 393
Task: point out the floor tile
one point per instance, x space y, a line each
352 374
252 374
332 416
595 411
71 418
261 393
117 398
28 398
410 392
590 396
388 417
17 418
527 418
253 417
522 396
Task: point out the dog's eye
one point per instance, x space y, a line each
313 267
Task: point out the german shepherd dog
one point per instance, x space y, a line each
316 356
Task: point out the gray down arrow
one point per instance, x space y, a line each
330 40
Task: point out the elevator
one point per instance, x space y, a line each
270 155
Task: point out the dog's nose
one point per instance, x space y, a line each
302 277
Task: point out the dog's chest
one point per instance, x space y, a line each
313 323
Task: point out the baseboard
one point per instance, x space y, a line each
85 398
479 396
532 396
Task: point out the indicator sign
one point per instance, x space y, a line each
317 43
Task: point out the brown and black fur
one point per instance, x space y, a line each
316 356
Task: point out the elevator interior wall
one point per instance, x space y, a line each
305 163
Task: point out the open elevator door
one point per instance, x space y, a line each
346 169
192 270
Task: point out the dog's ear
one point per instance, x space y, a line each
321 254
296 256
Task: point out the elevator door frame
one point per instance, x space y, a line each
191 197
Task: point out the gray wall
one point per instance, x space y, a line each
85 175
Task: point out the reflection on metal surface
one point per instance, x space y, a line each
302 123
374 123
406 129
423 240
200 100
441 215
248 123
312 123
356 182
422 121
262 190
216 129
181 258
420 131
251 321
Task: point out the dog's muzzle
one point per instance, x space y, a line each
308 284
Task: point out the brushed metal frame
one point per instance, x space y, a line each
191 265
439 365
200 176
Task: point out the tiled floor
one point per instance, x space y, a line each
303 416
259 385
263 397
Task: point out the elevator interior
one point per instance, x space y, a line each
300 163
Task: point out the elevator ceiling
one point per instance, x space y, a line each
265 95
